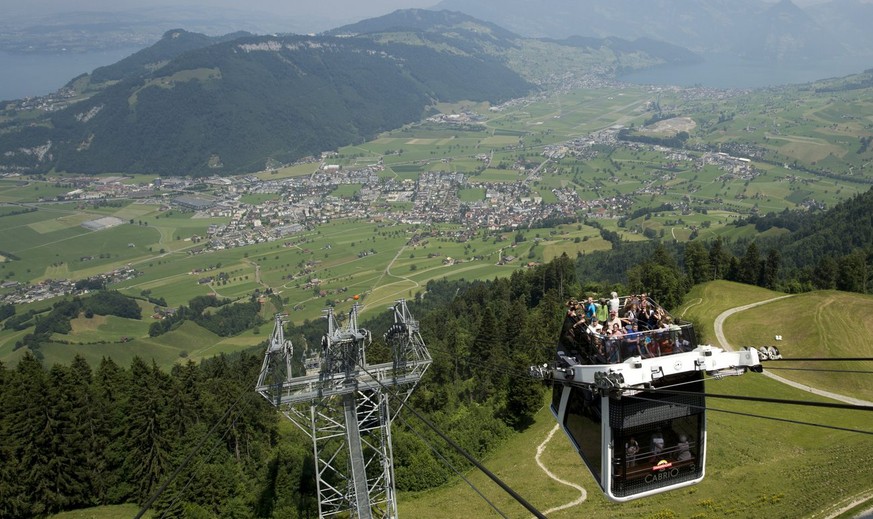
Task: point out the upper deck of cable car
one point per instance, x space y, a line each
635 326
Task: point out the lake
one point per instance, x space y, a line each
721 71
40 74
27 75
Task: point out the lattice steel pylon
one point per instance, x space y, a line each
345 408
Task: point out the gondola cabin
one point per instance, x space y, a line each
636 441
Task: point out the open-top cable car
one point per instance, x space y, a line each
635 441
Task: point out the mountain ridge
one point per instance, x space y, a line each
198 105
816 32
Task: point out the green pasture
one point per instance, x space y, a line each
29 191
189 339
135 211
44 245
463 106
103 512
52 243
347 190
499 141
100 327
571 248
497 175
818 130
9 209
8 354
473 194
296 170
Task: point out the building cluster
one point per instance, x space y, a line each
735 168
466 117
21 293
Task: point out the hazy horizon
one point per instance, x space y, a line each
35 36
318 12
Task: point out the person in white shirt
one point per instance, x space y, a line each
614 302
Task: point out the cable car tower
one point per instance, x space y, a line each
344 406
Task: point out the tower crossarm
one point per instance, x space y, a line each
276 368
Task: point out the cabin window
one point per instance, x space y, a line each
657 442
582 422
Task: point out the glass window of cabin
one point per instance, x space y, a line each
582 422
657 439
557 391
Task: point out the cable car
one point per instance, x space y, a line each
635 441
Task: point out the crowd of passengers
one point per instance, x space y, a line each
607 331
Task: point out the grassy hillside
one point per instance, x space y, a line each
817 324
103 512
756 467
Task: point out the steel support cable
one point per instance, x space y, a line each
515 495
189 457
771 368
186 461
452 467
193 474
827 359
829 405
490 366
751 415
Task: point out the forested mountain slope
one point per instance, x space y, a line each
238 105
195 105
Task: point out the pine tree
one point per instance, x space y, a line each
146 433
185 392
93 431
488 350
824 275
68 404
110 398
719 259
770 269
852 272
698 266
750 266
524 395
12 493
30 428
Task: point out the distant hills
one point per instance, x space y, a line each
197 105
761 31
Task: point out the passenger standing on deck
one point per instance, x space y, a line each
631 343
614 302
595 327
590 309
613 345
602 310
613 319
572 321
631 315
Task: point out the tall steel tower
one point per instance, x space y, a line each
344 406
